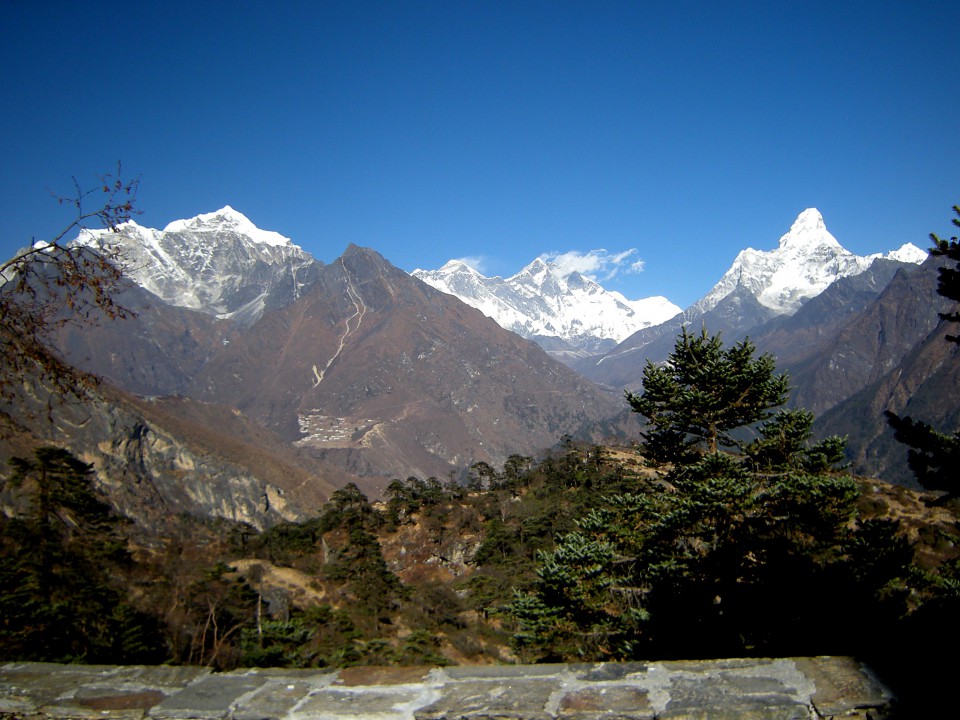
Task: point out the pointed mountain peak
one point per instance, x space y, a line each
808 259
808 230
809 218
908 252
538 268
361 259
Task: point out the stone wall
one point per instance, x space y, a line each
755 689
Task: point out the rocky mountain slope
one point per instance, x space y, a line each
360 367
157 350
568 314
916 372
387 376
157 459
855 332
363 367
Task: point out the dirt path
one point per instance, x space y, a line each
301 588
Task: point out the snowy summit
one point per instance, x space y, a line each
226 219
808 259
566 312
219 263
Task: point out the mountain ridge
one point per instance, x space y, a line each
758 286
367 364
219 263
568 313
807 259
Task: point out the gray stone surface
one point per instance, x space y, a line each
761 689
480 700
211 696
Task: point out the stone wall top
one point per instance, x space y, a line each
758 689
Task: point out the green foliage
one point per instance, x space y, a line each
720 563
719 556
348 507
358 562
784 443
62 598
284 543
218 607
702 392
420 648
276 643
404 498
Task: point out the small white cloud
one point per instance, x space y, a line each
595 264
477 262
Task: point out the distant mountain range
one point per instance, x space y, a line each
575 319
759 287
255 378
362 371
568 314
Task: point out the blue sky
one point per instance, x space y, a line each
680 131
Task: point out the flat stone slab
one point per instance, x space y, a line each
486 699
745 689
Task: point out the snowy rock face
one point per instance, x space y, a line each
541 302
219 263
807 260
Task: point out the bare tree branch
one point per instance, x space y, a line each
54 282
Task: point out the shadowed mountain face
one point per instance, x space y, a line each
854 333
387 376
870 343
855 350
915 372
156 351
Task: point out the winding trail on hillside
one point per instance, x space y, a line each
359 310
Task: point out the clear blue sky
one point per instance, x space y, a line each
685 131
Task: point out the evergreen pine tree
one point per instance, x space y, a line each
701 393
713 558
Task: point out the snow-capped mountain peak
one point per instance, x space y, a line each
219 263
908 252
226 219
808 259
453 266
807 231
557 308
